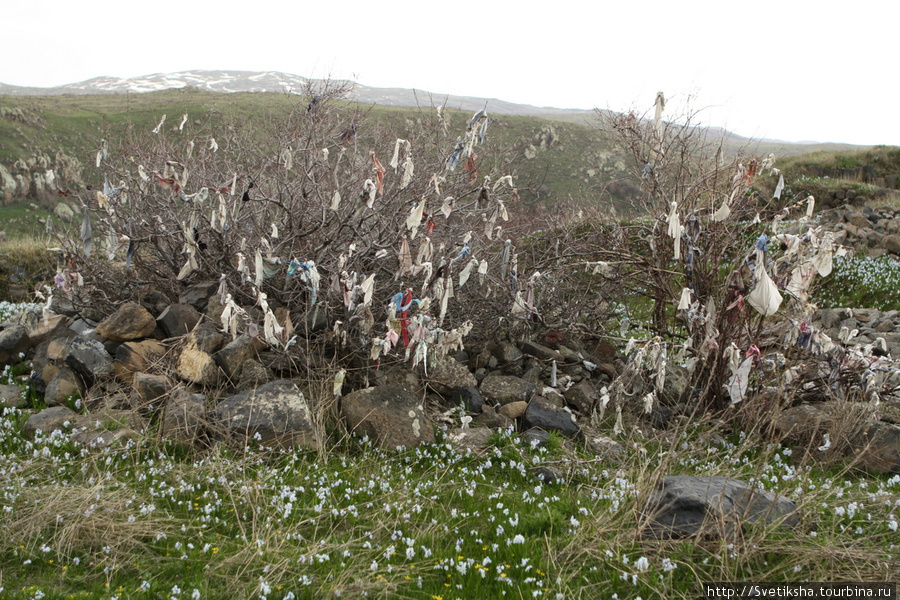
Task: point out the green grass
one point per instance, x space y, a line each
24 264
145 520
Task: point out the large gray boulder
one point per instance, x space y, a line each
714 507
275 414
390 415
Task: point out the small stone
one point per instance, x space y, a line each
178 319
64 386
469 397
514 410
544 415
503 389
130 321
89 359
541 352
13 340
11 396
233 355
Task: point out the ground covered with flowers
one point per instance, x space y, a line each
149 520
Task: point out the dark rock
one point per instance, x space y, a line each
314 321
207 338
151 389
89 359
252 375
64 386
198 294
13 340
878 449
544 415
505 353
582 396
233 355
533 374
492 419
503 389
275 414
469 397
891 243
391 416
604 351
178 319
154 301
661 416
130 321
549 475
541 352
675 389
686 506
48 420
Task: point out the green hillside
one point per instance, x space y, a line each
556 158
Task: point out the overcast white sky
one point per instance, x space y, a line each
787 69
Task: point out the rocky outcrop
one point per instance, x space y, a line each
275 415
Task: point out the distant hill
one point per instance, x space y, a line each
564 153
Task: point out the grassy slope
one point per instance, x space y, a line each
579 166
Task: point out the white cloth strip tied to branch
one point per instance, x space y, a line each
684 302
395 159
779 188
191 249
159 125
658 107
764 297
184 119
415 218
369 192
103 152
467 271
675 230
272 332
287 159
